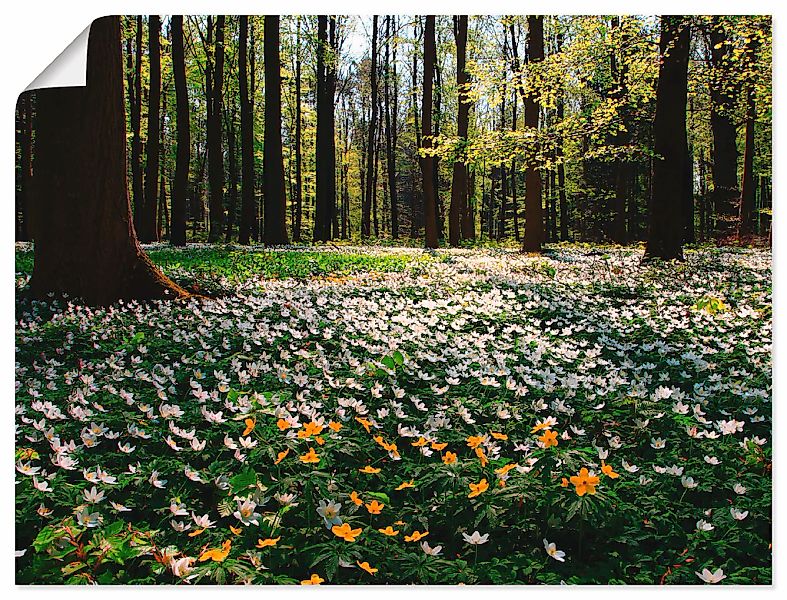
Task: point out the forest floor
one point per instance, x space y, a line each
396 415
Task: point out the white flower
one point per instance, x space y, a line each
688 482
429 550
738 514
703 525
552 551
476 539
181 566
709 577
245 513
739 489
329 511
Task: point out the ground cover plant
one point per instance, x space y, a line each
393 415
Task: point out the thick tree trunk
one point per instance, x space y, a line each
665 231
427 161
366 208
85 244
275 217
459 179
215 150
246 135
25 133
232 158
182 156
534 212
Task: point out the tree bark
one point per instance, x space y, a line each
246 136
135 98
275 217
427 161
748 185
366 208
665 231
183 152
459 179
215 150
25 132
149 232
391 116
86 245
325 151
534 212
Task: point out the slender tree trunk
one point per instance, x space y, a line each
665 232
148 232
534 212
325 158
561 169
367 200
86 246
275 223
427 161
390 126
215 150
232 195
162 218
748 189
182 159
136 127
246 135
459 179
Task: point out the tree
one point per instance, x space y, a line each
459 179
183 153
369 192
246 136
298 199
748 184
149 231
135 101
427 160
391 117
274 223
215 151
25 136
325 201
665 231
85 243
534 212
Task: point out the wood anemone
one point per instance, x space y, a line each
85 242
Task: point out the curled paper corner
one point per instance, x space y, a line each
69 69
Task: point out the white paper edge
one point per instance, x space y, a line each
69 69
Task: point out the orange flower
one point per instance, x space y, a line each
334 426
405 484
196 532
389 531
422 441
267 542
281 456
313 580
439 447
374 507
319 440
449 458
283 424
346 532
549 438
366 424
217 554
479 452
310 457
369 470
584 482
505 469
250 423
309 430
415 536
356 498
499 436
399 523
474 441
564 482
365 566
477 489
607 470
236 530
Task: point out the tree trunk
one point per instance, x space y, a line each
275 218
748 189
136 131
86 245
391 115
148 221
427 161
561 169
665 231
215 150
725 151
366 208
534 212
459 179
182 158
325 151
25 132
246 136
